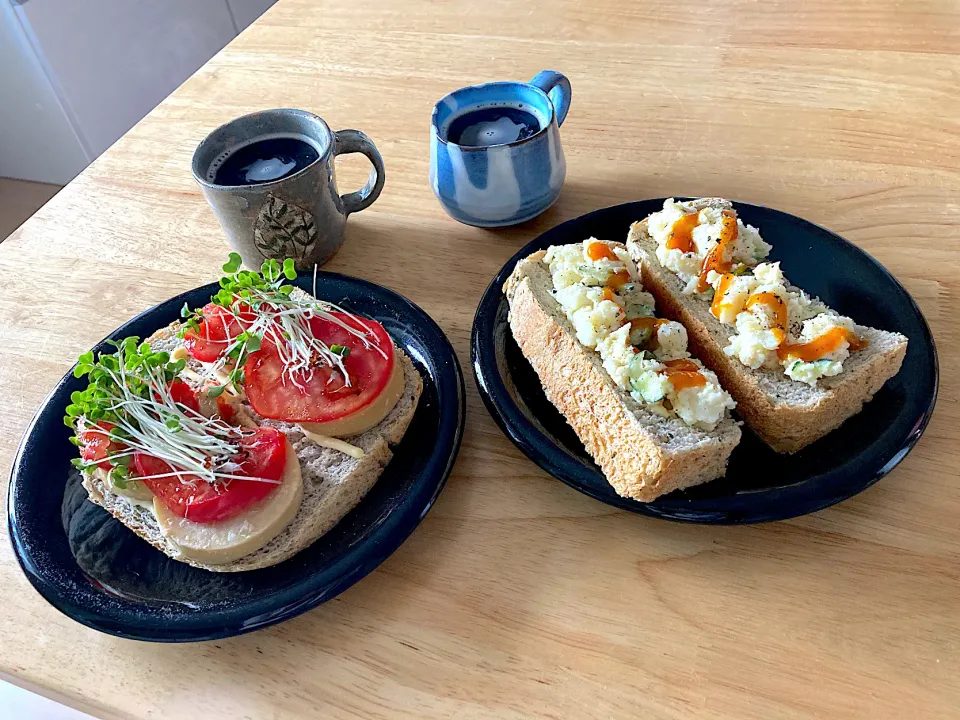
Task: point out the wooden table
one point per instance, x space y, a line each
518 596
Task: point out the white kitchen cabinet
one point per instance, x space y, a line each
37 141
77 74
112 61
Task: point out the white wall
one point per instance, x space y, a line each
75 75
246 11
37 141
114 60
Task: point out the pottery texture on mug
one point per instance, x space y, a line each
284 230
303 219
504 185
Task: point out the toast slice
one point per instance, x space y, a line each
642 454
786 414
333 482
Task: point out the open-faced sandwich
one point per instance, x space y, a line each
654 418
796 368
235 439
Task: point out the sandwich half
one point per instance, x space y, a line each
241 457
796 368
653 418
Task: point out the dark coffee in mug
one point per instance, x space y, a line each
261 160
487 125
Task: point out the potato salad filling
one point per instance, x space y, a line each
598 286
714 252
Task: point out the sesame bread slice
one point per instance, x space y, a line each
786 414
333 482
643 455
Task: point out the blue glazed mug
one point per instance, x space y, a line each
493 185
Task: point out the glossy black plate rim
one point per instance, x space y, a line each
311 591
741 508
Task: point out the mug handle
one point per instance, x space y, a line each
354 141
557 88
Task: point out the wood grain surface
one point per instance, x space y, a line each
518 597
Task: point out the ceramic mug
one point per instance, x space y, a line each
300 215
507 183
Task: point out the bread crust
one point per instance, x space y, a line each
636 449
333 483
785 414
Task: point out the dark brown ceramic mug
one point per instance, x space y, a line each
282 207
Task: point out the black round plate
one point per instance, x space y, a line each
91 567
760 485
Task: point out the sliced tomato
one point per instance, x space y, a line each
217 330
184 394
227 412
324 395
96 445
263 456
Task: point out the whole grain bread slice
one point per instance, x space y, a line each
333 482
642 454
786 414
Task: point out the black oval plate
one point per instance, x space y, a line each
760 485
92 568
